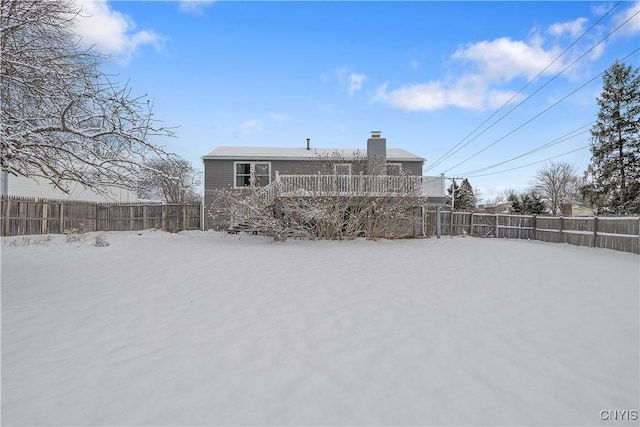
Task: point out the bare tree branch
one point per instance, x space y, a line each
557 183
171 178
62 119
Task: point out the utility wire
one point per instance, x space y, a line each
529 164
556 141
451 151
556 103
540 113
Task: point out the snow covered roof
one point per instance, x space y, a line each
298 153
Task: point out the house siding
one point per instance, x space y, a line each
22 186
411 168
219 174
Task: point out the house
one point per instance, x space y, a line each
497 208
315 171
39 188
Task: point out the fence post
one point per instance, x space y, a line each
535 224
184 216
560 229
451 224
61 218
22 223
44 229
497 216
97 214
164 217
595 231
144 217
7 207
471 225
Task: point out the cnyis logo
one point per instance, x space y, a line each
618 415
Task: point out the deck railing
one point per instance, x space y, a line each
355 185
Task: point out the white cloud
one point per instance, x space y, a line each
355 82
111 32
572 28
249 126
632 14
487 66
503 59
194 6
469 92
414 64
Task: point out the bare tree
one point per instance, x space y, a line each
557 183
172 179
62 119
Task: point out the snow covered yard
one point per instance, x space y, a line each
214 329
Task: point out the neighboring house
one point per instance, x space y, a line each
20 186
497 208
302 168
581 209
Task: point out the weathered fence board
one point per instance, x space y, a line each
21 216
618 233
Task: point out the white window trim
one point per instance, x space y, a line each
252 168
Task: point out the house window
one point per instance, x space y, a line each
394 168
343 169
252 174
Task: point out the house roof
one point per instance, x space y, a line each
298 153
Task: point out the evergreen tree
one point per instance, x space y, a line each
464 195
454 189
614 170
466 200
526 203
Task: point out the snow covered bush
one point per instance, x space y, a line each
76 235
100 241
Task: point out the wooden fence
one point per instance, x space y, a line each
619 233
22 216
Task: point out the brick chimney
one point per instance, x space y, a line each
377 154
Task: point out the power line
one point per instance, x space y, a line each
529 164
447 155
542 112
453 150
574 133
553 105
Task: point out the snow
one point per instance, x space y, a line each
206 328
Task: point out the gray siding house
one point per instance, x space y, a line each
228 167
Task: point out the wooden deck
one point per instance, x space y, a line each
430 188
360 185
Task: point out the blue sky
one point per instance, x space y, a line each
432 76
